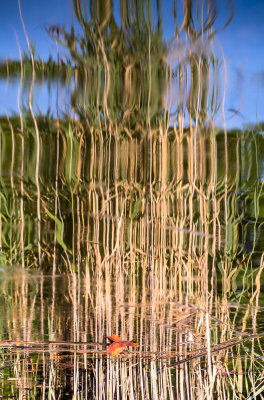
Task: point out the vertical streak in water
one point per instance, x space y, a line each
150 166
22 161
36 131
226 148
42 328
78 244
12 184
1 185
108 207
56 184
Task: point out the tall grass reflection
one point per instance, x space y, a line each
129 212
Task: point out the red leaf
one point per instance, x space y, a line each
118 345
114 338
115 348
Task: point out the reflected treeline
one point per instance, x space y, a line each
44 70
131 190
124 70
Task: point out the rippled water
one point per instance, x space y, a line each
130 211
54 328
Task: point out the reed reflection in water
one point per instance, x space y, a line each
57 340
124 216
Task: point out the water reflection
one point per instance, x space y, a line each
49 96
131 215
53 331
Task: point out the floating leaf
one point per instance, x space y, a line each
114 338
118 345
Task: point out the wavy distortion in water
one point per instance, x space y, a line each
131 213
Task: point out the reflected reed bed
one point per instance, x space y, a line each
124 216
147 232
187 344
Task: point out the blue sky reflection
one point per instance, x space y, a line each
241 43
